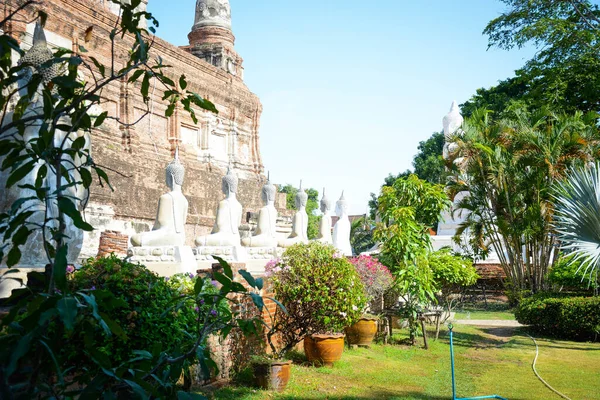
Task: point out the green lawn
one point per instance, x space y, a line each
494 311
488 361
481 314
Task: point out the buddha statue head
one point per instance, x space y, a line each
341 207
268 193
230 182
175 172
325 203
301 198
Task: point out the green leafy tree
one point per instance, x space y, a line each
563 73
311 206
429 163
508 168
407 210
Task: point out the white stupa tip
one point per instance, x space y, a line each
454 106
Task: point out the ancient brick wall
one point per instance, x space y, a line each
234 353
135 157
112 242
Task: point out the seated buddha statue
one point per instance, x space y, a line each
229 216
341 230
325 224
299 223
169 227
267 220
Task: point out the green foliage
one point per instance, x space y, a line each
311 206
148 314
573 318
407 210
568 273
320 290
451 273
361 235
508 167
428 163
563 73
416 285
125 333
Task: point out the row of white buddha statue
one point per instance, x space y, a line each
169 227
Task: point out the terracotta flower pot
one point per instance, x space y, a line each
324 349
362 332
273 375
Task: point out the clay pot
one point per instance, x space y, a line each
324 349
362 332
272 375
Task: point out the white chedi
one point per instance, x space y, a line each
229 216
299 223
325 224
171 216
341 230
267 220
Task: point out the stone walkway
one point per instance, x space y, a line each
488 322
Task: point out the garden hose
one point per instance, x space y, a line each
537 353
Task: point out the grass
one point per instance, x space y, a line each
494 311
488 361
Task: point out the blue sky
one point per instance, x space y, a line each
350 88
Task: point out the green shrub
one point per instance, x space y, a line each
320 289
150 314
568 274
576 318
450 274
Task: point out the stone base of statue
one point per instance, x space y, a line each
166 260
232 254
258 257
9 282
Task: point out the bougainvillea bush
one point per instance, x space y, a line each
320 289
375 276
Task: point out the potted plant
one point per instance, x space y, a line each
322 293
272 370
376 279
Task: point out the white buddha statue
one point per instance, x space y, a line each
169 227
341 230
299 223
452 124
229 217
267 220
325 225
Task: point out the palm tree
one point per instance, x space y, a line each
508 168
577 218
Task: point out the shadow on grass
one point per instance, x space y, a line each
241 392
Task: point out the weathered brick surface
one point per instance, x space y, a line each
112 242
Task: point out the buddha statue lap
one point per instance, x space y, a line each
325 224
267 220
341 230
299 223
225 232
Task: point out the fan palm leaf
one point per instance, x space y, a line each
577 219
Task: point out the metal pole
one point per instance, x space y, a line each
452 361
